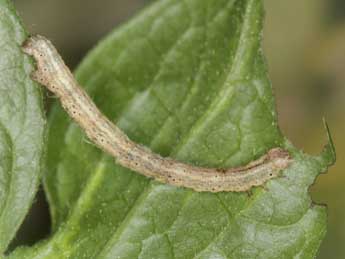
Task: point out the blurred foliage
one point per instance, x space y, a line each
305 48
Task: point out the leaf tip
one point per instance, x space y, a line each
328 154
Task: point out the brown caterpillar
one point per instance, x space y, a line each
54 74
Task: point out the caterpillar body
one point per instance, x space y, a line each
52 72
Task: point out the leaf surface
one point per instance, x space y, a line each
188 80
22 126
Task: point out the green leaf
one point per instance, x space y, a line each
21 127
187 79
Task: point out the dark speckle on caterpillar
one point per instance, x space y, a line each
53 73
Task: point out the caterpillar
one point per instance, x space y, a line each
52 73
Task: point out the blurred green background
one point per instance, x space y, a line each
305 49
